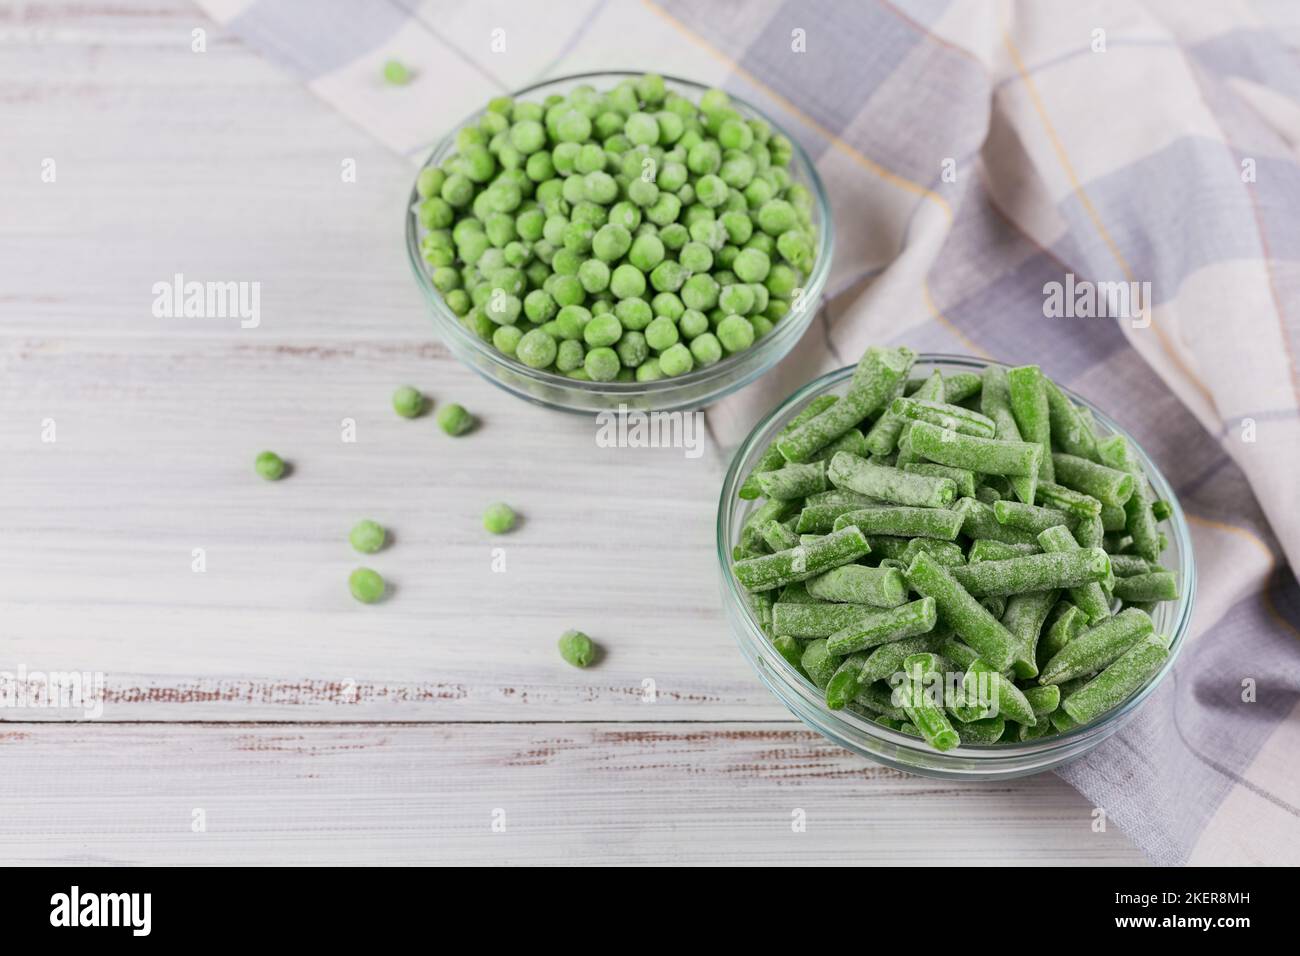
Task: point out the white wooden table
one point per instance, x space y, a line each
253 712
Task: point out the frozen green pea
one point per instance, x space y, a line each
366 585
577 648
269 465
408 402
602 364
498 518
396 73
536 349
367 536
454 419
676 360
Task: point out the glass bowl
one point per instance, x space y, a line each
692 390
898 750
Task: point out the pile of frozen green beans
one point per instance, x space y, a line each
622 235
958 558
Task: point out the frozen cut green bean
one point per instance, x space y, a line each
1152 586
1127 565
1077 505
1030 518
1110 486
751 539
802 562
889 484
887 659
858 584
778 536
979 521
1028 397
962 612
1121 678
988 693
877 697
957 387
873 383
797 619
793 481
982 455
818 664
852 441
1033 572
903 521
995 403
947 553
1023 619
1115 452
963 479
1097 647
1070 622
927 715
1089 596
820 519
790 648
1113 517
883 627
943 415
962 655
986 549
1070 431
772 459
1044 698
846 681
882 438
986 731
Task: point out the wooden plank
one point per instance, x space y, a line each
571 793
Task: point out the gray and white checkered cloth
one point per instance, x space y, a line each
977 152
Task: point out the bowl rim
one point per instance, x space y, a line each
779 342
1045 747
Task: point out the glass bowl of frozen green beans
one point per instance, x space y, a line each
953 567
619 239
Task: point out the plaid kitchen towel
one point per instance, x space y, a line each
990 163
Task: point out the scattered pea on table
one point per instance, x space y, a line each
269 465
408 402
367 536
454 420
366 585
577 648
499 518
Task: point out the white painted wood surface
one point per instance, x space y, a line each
219 167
